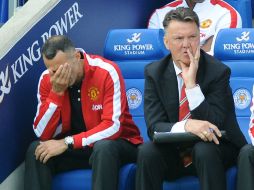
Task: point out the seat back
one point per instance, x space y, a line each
244 9
132 50
235 48
3 11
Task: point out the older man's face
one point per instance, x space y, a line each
179 37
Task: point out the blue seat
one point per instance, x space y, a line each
82 179
123 46
4 7
235 48
244 9
252 8
132 49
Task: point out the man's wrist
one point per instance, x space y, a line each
190 86
69 141
186 125
60 93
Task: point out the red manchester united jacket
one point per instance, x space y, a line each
104 106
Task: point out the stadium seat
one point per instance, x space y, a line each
132 49
235 48
82 179
244 9
3 11
252 8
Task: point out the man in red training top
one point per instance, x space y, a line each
82 119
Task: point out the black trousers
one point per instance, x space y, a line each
159 162
245 175
105 158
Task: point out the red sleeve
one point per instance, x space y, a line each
47 120
110 125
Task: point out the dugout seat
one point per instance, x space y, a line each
82 179
132 49
235 48
3 11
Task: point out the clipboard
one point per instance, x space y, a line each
167 137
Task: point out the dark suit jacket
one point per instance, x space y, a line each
162 100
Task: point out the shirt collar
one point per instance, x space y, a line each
177 69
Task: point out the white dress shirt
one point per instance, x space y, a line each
194 96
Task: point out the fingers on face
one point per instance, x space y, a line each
62 72
58 72
194 57
197 53
65 71
68 75
190 54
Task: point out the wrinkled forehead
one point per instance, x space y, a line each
176 26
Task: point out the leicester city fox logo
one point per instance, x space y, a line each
242 98
134 98
93 93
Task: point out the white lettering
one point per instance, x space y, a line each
97 107
52 29
122 47
61 26
76 12
231 46
5 88
33 54
146 47
70 16
243 51
134 52
247 45
14 68
44 36
36 57
19 68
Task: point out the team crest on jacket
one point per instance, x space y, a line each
134 98
206 23
93 93
242 98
